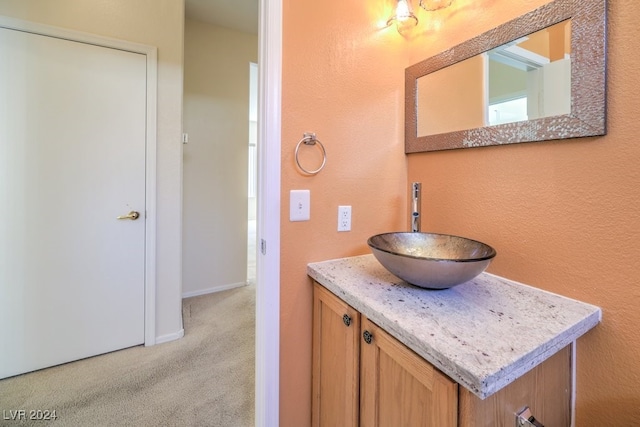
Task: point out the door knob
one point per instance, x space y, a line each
133 215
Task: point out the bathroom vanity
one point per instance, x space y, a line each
388 353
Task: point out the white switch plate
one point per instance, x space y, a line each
344 218
299 205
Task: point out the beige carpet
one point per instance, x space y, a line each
203 379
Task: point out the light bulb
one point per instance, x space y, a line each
402 10
404 17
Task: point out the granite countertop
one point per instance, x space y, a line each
483 334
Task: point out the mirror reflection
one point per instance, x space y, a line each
528 78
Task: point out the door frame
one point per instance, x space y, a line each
267 381
151 54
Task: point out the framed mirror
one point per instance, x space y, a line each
539 77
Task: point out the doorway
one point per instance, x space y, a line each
215 162
268 212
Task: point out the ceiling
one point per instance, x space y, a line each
240 15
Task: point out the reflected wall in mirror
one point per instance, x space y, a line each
536 78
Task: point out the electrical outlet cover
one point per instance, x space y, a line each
344 218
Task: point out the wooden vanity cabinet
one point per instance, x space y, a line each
364 377
546 389
398 387
336 353
384 383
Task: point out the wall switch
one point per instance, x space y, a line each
344 218
299 205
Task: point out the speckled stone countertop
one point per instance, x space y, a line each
483 334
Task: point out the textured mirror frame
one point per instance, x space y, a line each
588 80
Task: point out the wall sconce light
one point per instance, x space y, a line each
404 17
432 5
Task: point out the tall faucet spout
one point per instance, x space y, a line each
416 189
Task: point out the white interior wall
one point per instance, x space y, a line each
216 118
253 141
157 23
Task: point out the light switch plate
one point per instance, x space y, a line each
299 205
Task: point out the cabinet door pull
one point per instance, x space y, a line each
368 337
346 319
525 418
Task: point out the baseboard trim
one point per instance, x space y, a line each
213 289
170 337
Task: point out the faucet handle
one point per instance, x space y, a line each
416 187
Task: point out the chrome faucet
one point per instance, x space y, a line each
416 188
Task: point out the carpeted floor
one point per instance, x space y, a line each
203 379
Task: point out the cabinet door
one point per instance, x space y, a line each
546 389
335 361
399 388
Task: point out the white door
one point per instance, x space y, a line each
72 159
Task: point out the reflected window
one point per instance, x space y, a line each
530 77
514 110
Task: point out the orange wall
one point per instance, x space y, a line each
563 215
341 79
460 88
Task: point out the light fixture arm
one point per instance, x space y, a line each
431 5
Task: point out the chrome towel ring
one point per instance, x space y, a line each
309 138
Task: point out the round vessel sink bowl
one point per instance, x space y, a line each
430 260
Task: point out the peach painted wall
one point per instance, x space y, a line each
341 79
563 215
459 88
